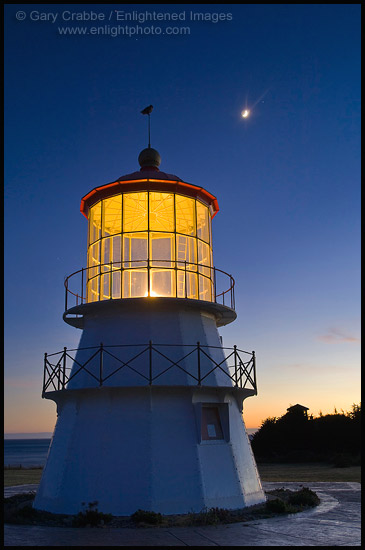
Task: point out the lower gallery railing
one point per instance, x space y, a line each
241 364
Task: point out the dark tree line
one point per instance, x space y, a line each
295 437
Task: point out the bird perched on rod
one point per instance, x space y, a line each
147 110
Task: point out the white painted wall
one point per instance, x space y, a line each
132 448
138 324
129 445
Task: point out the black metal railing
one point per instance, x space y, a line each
241 369
209 281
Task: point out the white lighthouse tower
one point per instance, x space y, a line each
149 407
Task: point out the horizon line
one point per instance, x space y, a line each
9 435
18 434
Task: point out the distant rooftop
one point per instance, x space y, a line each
297 407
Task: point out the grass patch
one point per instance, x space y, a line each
310 471
21 476
307 472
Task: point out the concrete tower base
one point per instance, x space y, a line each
147 448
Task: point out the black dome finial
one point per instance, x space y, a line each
149 158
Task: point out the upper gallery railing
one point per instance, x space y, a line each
220 283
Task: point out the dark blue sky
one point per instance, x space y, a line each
287 178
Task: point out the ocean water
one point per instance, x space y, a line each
25 452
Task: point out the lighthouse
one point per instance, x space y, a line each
149 406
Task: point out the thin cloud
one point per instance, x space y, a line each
335 335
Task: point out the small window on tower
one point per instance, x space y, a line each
211 427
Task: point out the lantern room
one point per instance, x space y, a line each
149 235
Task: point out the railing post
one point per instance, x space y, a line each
64 368
198 277
150 366
176 272
44 373
254 369
66 291
82 285
199 374
186 288
101 365
215 284
148 277
235 365
58 374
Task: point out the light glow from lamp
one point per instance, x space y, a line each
145 240
151 294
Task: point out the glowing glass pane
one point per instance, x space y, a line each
204 258
135 250
162 249
93 260
161 212
95 223
187 285
116 284
202 213
106 253
105 286
117 251
135 212
162 282
93 290
112 215
192 285
210 230
186 252
205 288
185 215
180 289
134 283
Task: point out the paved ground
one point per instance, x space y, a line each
335 522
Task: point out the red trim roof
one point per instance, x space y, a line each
148 184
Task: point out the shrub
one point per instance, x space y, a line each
27 512
210 516
277 506
146 516
304 497
91 517
295 438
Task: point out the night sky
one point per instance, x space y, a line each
287 178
